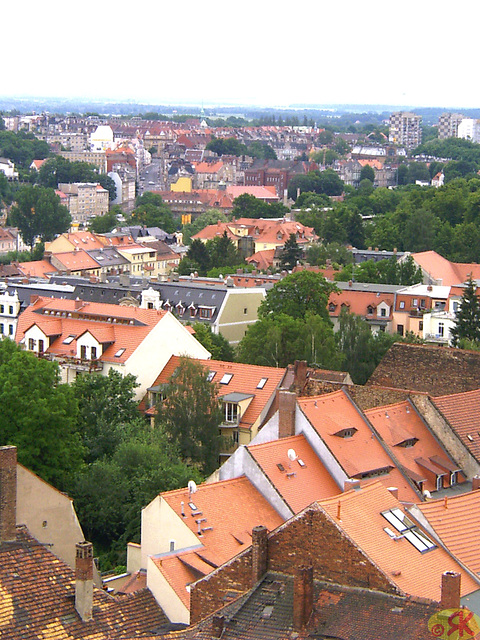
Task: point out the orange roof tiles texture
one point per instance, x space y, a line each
462 410
415 573
90 318
455 520
399 423
298 485
335 412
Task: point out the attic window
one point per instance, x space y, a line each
409 442
346 433
408 530
211 375
69 339
119 353
280 467
262 383
332 307
226 378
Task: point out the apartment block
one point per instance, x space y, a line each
448 125
85 200
405 129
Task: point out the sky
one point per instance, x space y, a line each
261 53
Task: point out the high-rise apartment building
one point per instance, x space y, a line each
469 128
405 129
448 125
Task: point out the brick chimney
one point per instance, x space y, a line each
8 493
302 597
259 553
84 580
475 483
300 373
218 622
450 590
287 403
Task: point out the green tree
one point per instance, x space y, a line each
218 346
222 251
151 211
190 415
360 349
39 214
367 173
39 415
198 256
212 216
297 294
110 493
103 224
106 406
291 253
467 319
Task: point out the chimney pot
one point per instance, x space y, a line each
259 553
475 483
287 403
300 373
8 493
84 580
218 623
450 598
302 597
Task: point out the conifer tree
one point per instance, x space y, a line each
467 321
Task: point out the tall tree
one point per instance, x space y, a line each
107 405
38 415
291 254
190 415
297 294
39 214
467 320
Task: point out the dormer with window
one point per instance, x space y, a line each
348 432
88 347
331 307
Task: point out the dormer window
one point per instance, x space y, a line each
370 310
408 442
349 432
231 411
332 307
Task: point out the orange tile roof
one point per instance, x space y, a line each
359 301
415 573
97 318
77 260
455 520
208 167
440 268
245 379
298 485
269 230
231 508
37 269
330 414
462 410
400 422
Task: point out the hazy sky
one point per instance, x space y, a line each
416 53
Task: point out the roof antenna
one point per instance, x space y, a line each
292 456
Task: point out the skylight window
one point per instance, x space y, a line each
119 353
226 378
69 339
211 375
262 383
402 523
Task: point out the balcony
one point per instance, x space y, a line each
437 338
79 364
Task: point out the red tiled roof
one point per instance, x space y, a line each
245 379
398 423
455 520
450 273
37 269
231 508
76 260
331 414
413 572
131 327
359 301
298 485
462 410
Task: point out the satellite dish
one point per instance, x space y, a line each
426 494
192 487
291 454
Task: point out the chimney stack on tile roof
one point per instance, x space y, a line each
475 483
302 597
450 590
84 580
393 491
218 623
300 373
287 403
259 553
8 493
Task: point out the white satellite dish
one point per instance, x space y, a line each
291 454
192 486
